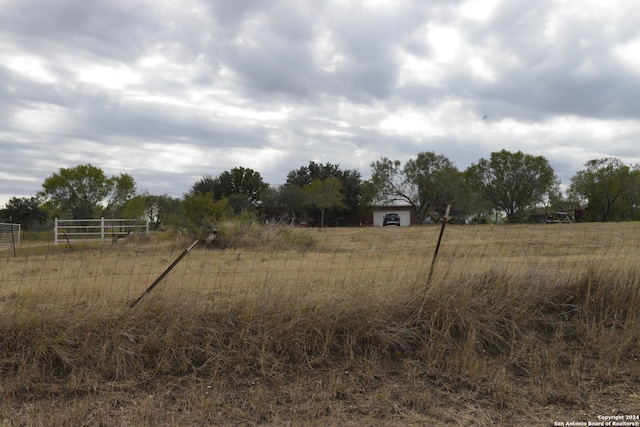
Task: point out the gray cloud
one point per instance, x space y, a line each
169 91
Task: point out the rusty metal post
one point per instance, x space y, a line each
445 219
163 275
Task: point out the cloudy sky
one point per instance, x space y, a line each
171 90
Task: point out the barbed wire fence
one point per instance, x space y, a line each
254 258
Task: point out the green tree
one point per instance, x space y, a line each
602 185
324 194
368 193
81 191
283 202
355 200
200 212
157 209
206 184
133 208
513 182
241 186
555 201
305 174
25 211
161 209
632 195
428 182
123 190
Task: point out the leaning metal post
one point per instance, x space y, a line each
445 219
163 275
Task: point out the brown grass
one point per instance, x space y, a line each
520 325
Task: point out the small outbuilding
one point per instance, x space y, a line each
406 213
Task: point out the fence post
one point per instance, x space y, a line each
102 228
445 219
164 274
13 239
55 230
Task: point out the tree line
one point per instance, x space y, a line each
510 185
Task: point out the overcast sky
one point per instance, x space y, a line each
171 90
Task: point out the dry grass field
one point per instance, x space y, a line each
519 325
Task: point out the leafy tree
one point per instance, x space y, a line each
80 191
133 208
201 211
206 184
603 185
355 201
156 209
241 186
161 209
555 201
241 203
512 182
324 194
428 182
305 174
632 195
283 202
368 193
469 206
24 211
123 189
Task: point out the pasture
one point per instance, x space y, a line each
526 324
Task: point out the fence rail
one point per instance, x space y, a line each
98 229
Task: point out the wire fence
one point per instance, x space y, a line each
9 234
310 261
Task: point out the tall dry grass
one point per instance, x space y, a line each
514 317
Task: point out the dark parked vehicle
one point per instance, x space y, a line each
391 219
